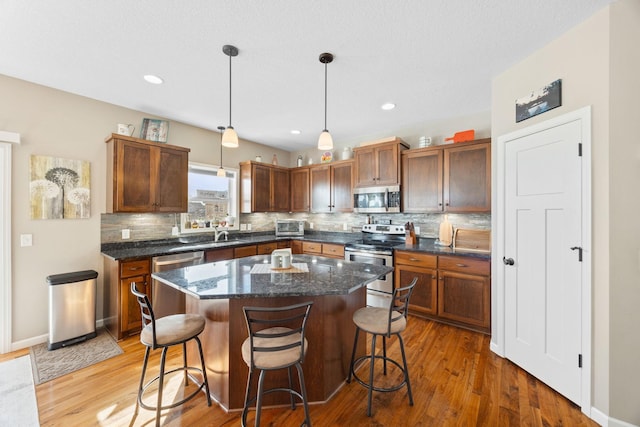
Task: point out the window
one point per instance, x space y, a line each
213 200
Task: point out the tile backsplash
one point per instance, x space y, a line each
158 226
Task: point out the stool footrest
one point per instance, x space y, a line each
173 405
382 389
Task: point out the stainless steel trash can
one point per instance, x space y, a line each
72 308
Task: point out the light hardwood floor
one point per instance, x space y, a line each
456 381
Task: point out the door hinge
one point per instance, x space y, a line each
580 149
579 361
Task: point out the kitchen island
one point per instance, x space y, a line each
219 290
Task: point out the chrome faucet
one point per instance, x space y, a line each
219 233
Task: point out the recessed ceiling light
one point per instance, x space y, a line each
388 106
295 132
153 79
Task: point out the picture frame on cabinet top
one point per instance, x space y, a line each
154 130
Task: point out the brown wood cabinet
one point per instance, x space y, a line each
467 177
145 176
378 164
422 181
222 254
451 178
423 266
264 188
330 250
300 198
332 187
464 291
451 289
121 310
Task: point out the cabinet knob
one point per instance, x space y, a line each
414 259
461 265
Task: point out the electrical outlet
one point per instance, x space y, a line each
243 227
311 225
126 233
249 227
345 227
175 231
417 230
26 240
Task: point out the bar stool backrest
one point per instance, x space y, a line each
269 328
399 306
147 311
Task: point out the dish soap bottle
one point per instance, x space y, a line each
446 232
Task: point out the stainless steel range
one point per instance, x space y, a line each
376 247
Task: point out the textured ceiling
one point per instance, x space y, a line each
433 59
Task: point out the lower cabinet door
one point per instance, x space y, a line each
130 309
424 297
464 298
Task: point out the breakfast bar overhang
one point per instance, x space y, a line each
219 290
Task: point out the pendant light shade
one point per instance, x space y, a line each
325 142
221 172
230 137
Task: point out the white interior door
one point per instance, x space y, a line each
543 250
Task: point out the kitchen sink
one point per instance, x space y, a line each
188 246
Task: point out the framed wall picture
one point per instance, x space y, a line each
154 130
539 101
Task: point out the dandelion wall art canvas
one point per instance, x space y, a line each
59 188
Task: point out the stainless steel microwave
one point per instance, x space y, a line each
289 227
376 199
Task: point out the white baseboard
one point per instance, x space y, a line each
605 421
19 345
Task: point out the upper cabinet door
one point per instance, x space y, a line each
134 191
172 181
422 181
280 190
467 178
387 165
300 189
320 189
366 172
342 187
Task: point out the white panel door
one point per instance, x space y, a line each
543 300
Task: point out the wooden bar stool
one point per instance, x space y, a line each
163 333
385 322
276 341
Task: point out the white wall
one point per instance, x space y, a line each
599 64
624 245
55 123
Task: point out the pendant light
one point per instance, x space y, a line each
325 142
221 171
230 137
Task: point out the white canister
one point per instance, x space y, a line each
281 258
347 153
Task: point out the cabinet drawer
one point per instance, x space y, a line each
244 251
465 265
134 268
267 248
312 247
415 258
333 250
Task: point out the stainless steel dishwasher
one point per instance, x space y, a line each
165 299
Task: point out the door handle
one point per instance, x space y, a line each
508 261
579 249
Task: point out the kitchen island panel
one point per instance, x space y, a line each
330 331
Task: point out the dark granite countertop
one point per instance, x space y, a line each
427 245
240 277
127 250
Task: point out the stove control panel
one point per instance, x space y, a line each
383 229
